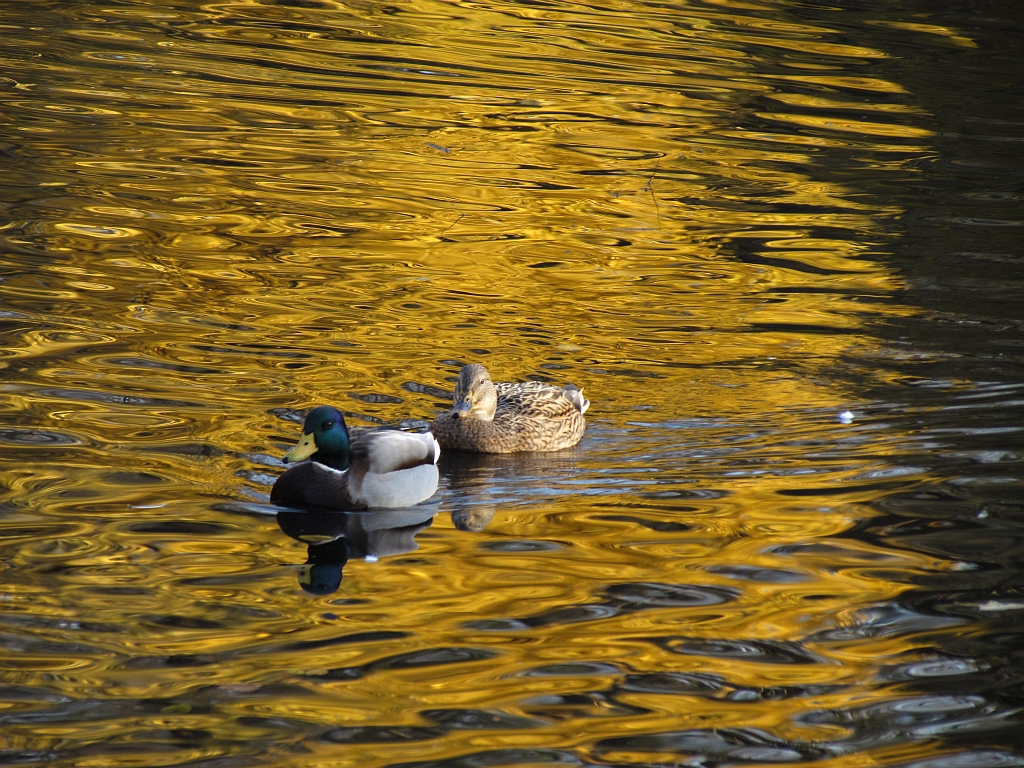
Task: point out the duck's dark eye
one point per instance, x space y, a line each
327 425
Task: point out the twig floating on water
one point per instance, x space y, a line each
649 187
451 225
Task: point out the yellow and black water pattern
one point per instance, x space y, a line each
216 215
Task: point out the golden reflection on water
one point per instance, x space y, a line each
220 214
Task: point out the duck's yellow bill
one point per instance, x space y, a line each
305 449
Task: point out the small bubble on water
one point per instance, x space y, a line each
846 417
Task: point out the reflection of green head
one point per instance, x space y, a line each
321 575
324 439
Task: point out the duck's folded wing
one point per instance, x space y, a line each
542 401
506 388
386 450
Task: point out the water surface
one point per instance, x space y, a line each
728 221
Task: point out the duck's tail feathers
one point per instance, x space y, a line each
580 403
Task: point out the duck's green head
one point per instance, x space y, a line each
475 396
324 439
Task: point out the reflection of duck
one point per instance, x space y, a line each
473 519
506 417
333 538
321 574
377 469
478 484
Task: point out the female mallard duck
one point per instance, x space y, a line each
505 417
380 468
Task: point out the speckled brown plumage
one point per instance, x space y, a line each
506 417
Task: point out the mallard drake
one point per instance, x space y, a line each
506 417
376 469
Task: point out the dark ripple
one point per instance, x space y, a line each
149 363
619 599
39 530
675 682
34 645
573 669
53 624
759 651
521 546
175 661
375 397
479 719
884 621
95 396
716 686
743 745
930 669
441 394
651 595
214 695
24 693
184 622
914 718
35 437
380 734
580 705
902 712
356 637
27 756
498 757
85 710
133 478
181 527
839 553
244 578
654 525
432 657
187 449
763 575
983 758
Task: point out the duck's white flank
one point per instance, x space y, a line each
398 489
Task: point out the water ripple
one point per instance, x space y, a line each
729 223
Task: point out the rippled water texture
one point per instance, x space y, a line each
728 221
